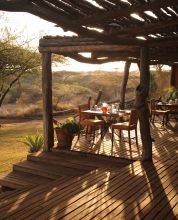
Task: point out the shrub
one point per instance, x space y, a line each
34 142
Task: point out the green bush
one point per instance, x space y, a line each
34 142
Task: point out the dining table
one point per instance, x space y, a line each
108 117
172 107
167 105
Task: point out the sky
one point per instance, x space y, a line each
32 27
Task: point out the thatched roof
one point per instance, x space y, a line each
114 29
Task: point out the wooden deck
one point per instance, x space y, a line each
164 138
85 186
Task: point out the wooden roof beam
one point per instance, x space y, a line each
39 10
147 28
165 42
81 48
92 60
156 5
82 5
69 9
14 5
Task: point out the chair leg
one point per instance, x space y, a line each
112 136
93 134
102 131
78 135
136 137
164 118
86 133
153 119
120 135
129 138
151 116
167 118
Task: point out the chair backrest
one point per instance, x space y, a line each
153 104
133 117
83 116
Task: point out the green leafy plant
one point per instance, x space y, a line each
172 93
34 142
70 125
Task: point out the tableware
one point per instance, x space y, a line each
95 108
104 107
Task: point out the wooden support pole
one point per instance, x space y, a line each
98 98
141 104
124 84
174 76
47 101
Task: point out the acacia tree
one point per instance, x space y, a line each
16 60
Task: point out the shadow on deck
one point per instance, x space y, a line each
80 185
165 137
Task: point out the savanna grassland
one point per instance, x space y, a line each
69 90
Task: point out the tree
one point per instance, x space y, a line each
15 61
17 58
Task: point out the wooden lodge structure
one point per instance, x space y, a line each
141 31
136 31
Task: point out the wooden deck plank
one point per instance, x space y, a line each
169 207
173 214
163 138
127 187
94 160
88 202
9 194
58 197
160 194
52 172
81 196
12 198
41 191
18 180
56 160
117 190
163 205
147 198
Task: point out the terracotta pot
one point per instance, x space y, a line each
64 138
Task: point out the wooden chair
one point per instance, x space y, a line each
128 126
158 112
89 122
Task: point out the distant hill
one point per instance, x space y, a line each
69 89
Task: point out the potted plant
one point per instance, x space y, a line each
65 132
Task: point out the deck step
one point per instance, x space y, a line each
46 170
17 180
96 160
53 159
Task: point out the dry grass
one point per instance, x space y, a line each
20 110
12 133
11 147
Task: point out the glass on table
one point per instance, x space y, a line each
104 107
95 108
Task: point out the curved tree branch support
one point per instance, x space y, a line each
124 84
141 104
